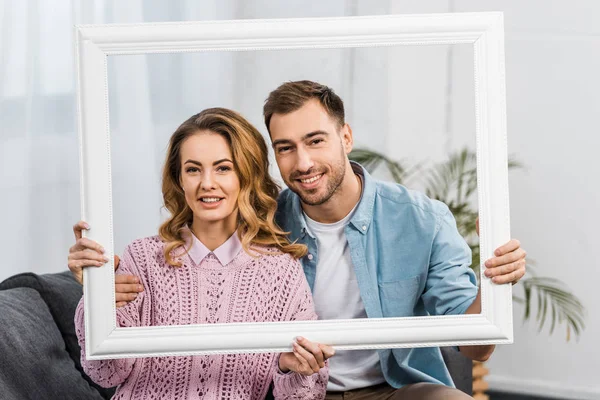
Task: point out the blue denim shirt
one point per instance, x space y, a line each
409 260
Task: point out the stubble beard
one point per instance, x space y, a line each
334 181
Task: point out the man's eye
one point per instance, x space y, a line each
316 141
283 149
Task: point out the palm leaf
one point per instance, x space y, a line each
554 303
371 160
454 182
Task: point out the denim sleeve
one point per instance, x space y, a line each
451 286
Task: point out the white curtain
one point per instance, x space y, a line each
39 165
150 95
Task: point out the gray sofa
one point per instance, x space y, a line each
39 353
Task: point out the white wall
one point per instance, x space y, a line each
552 65
553 105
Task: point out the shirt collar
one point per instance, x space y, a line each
364 212
225 253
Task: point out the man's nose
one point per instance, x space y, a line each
304 161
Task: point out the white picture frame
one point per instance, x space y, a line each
94 43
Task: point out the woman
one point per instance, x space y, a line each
219 258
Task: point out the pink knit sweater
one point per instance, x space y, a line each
210 287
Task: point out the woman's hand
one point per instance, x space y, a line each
307 357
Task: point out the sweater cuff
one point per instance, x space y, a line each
293 382
278 370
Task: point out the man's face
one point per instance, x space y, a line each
310 150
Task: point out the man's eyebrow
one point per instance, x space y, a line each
305 137
281 141
314 133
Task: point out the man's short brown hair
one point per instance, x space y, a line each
291 96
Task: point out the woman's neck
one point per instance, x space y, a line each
213 234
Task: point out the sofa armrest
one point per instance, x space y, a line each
61 293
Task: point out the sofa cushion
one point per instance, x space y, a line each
61 293
34 363
460 368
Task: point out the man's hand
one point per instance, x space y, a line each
307 357
508 265
87 253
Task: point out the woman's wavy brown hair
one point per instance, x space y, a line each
257 201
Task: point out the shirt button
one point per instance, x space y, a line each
310 256
364 227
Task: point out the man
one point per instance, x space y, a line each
375 249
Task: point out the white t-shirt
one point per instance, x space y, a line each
336 296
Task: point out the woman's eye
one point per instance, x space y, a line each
190 170
223 169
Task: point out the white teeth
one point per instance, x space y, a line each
210 199
311 180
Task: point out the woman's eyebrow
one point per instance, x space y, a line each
222 160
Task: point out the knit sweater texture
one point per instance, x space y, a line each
246 289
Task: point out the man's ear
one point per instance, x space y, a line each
347 138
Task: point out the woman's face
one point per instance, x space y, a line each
208 178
